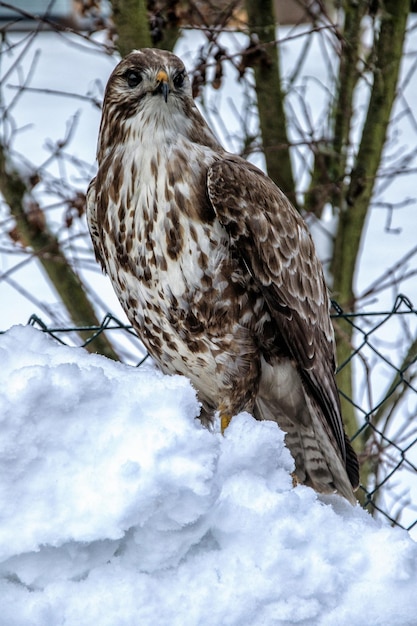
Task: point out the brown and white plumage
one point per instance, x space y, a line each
215 268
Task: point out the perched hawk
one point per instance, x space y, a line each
215 269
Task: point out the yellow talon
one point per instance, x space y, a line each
224 422
295 480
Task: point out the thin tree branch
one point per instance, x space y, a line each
35 231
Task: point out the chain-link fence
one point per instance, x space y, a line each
383 361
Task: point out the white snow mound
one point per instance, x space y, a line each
118 508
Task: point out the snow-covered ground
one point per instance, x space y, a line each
118 508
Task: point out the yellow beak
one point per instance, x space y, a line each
163 80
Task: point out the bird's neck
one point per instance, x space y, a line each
157 130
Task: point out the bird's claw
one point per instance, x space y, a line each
224 422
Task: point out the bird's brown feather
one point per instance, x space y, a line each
214 267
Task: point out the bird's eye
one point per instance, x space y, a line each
179 80
133 78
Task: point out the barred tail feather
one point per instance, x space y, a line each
318 461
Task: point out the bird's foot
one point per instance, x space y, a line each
295 479
225 420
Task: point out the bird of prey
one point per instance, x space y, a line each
215 269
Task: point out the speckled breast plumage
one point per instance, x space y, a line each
180 287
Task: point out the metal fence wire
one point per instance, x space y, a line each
383 358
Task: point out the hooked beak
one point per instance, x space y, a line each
163 80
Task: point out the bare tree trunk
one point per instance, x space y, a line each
388 54
355 202
327 181
132 25
270 96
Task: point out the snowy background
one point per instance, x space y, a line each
116 506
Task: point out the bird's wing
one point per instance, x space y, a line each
92 221
266 230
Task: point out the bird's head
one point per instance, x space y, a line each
145 74
147 83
